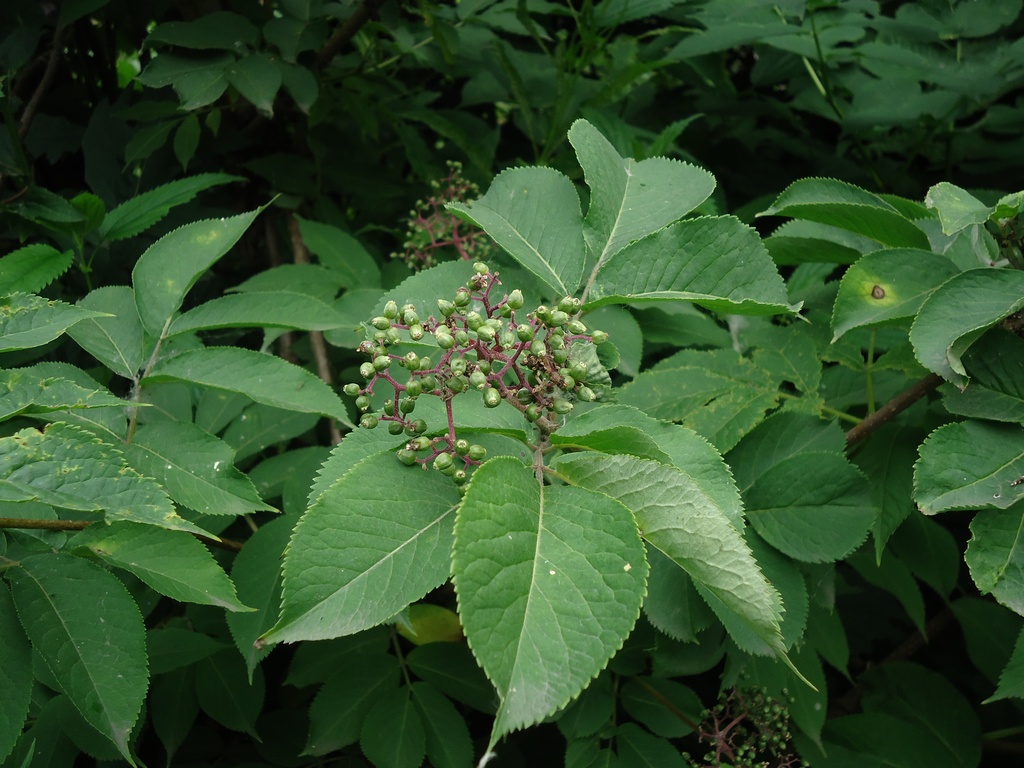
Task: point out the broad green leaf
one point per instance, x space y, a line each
995 555
392 735
196 468
24 390
364 550
85 625
889 467
423 623
173 563
970 465
337 713
672 604
261 426
786 577
316 663
788 354
813 506
33 267
257 77
550 580
1011 679
878 740
448 741
143 211
989 631
887 286
958 312
716 262
995 364
172 265
893 576
789 249
957 208
534 214
173 647
226 695
629 199
777 438
656 703
308 279
353 448
173 708
341 253
257 576
263 378
186 140
677 517
639 749
15 674
719 394
116 340
849 207
220 30
27 320
277 309
451 669
68 467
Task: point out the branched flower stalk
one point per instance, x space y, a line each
488 345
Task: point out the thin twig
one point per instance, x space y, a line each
347 31
285 340
44 84
316 338
900 403
81 525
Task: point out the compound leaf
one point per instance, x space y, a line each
27 320
25 390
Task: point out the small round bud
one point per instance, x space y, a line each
576 327
538 348
368 421
515 299
462 297
395 428
556 341
366 370
458 384
362 402
568 383
381 363
411 361
586 394
458 366
380 337
443 461
478 379
429 382
446 307
418 444
381 323
391 310
416 332
408 405
425 364
599 337
413 388
392 336
533 412
459 476
507 340
352 390
492 397
524 332
477 452
561 406
485 333
462 446
480 268
558 317
578 370
444 339
484 366
569 304
474 320
524 395
560 355
461 338
505 310
418 427
411 317
406 456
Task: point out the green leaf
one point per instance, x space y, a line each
33 267
958 312
957 208
116 340
226 695
365 536
186 140
719 394
143 211
85 625
848 207
173 563
656 703
65 466
448 741
995 364
24 390
550 580
257 77
341 253
639 749
257 576
337 713
451 669
220 30
15 674
887 286
786 249
629 199
970 465
672 604
173 708
392 735
534 214
678 518
172 265
716 262
27 320
262 310
1011 679
172 648
814 506
995 555
263 378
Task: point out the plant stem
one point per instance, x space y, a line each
44 84
347 31
900 403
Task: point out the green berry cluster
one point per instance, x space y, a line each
748 729
487 346
432 230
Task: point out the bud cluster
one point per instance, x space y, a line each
432 229
487 347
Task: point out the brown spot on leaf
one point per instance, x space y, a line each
878 292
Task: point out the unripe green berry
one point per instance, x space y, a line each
533 412
462 297
478 379
411 317
425 364
369 421
429 382
543 313
599 337
352 390
381 323
515 299
561 406
391 310
418 427
485 333
505 310
586 394
458 366
442 461
378 351
416 332
395 428
576 327
484 366
392 336
477 452
538 348
524 395
558 318
459 476
568 383
362 402
412 361
458 384
480 268
461 338
406 310
444 339
407 457
474 320
569 304
560 355
408 405
380 337
462 446
578 370
524 332
381 363
507 340
413 388
418 444
492 397
446 307
366 370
